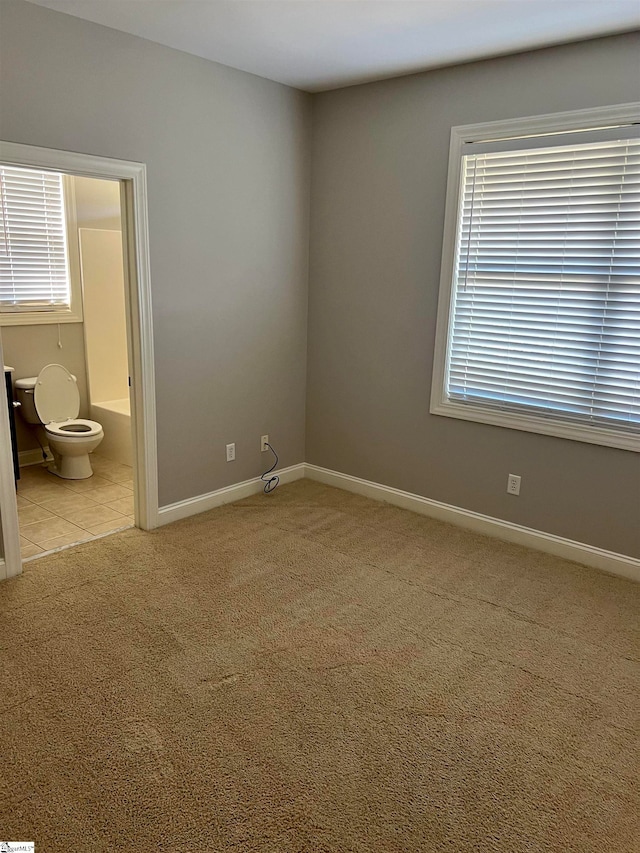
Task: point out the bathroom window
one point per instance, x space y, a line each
39 265
539 316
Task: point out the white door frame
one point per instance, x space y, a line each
133 177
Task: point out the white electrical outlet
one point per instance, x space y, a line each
231 452
513 484
264 440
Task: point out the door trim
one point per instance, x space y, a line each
133 177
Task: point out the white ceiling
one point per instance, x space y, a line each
324 44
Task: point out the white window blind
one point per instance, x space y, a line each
546 294
34 267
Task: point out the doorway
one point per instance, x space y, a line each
114 375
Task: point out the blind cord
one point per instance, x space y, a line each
272 482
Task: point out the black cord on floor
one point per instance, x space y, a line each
272 482
44 452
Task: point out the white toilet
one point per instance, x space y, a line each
52 399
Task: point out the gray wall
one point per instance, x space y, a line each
227 155
379 168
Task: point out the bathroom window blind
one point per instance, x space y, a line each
34 267
546 293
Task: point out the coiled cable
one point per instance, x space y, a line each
272 482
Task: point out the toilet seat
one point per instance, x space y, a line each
56 396
74 428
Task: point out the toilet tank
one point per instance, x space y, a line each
24 395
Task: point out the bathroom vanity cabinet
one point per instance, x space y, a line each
12 421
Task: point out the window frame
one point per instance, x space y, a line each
74 313
516 129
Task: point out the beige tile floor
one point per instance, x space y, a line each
54 512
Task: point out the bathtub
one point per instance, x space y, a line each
115 417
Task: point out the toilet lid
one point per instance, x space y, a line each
56 395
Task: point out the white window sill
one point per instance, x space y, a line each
544 426
38 318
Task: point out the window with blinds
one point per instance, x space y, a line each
34 261
544 316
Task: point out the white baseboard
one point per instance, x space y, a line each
598 558
33 457
5 574
201 503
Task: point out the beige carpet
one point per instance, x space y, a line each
313 671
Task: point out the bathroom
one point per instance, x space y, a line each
90 342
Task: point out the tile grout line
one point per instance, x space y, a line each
39 476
